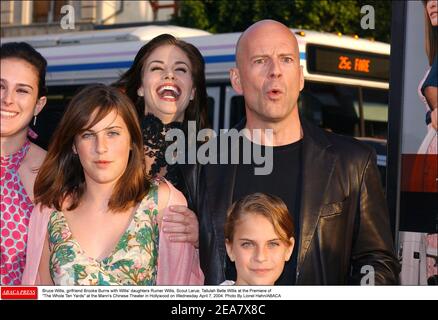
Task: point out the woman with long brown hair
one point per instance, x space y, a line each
166 83
98 219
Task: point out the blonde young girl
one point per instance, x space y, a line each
259 234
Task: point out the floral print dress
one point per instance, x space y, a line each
133 261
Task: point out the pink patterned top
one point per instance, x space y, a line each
15 210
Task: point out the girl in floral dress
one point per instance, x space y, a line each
98 221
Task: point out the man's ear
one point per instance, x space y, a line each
229 247
235 80
41 102
301 78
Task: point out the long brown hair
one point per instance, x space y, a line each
269 206
61 175
431 36
131 80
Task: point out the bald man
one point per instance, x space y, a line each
330 183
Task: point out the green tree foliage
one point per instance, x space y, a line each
219 16
193 14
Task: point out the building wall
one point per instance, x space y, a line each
17 16
114 12
26 12
88 10
7 12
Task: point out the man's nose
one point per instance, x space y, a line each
275 69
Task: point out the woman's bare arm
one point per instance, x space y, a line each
44 269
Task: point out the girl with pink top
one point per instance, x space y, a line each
23 72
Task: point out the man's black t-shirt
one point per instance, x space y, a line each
283 182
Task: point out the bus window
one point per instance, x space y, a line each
213 99
331 107
375 112
210 110
310 108
237 110
336 108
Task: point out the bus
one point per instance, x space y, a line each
346 78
